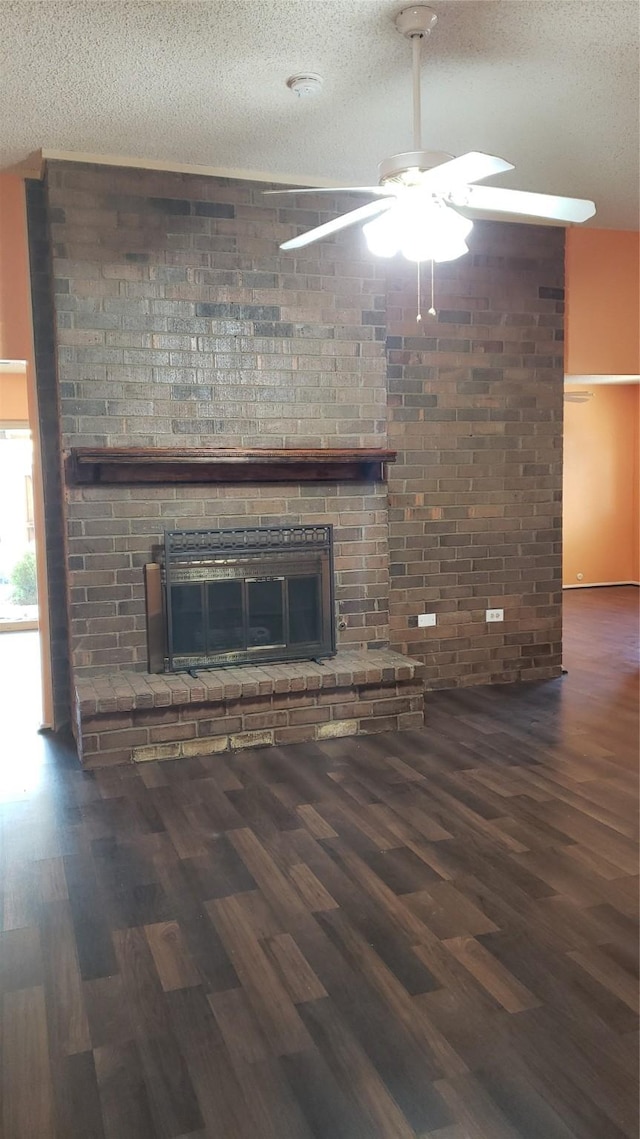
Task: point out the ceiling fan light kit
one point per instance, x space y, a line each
416 210
423 229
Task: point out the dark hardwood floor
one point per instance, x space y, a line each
425 934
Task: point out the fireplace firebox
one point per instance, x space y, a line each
240 596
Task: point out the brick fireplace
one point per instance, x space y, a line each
180 325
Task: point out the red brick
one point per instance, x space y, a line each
170 732
268 719
379 724
218 727
294 735
309 715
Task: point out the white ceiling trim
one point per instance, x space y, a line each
13 367
187 168
570 381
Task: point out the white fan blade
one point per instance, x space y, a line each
336 190
361 214
471 167
494 199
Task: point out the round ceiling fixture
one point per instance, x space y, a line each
416 21
306 84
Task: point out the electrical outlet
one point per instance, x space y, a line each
426 619
495 614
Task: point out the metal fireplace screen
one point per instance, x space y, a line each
246 596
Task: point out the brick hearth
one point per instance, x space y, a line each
130 716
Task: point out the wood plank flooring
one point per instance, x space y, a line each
430 934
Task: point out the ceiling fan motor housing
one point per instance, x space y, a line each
398 167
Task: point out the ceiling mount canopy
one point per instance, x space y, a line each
418 202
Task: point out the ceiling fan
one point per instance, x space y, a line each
421 193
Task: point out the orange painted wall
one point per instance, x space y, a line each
602 335
601 497
14 401
15 312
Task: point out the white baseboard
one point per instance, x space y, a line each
597 584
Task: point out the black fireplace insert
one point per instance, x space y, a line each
241 596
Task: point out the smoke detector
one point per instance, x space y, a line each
305 85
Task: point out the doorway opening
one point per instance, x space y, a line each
18 583
20 649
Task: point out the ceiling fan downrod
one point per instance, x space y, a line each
416 23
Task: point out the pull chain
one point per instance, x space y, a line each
432 310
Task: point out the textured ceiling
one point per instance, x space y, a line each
550 85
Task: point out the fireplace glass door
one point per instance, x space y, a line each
234 597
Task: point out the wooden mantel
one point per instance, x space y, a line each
100 466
